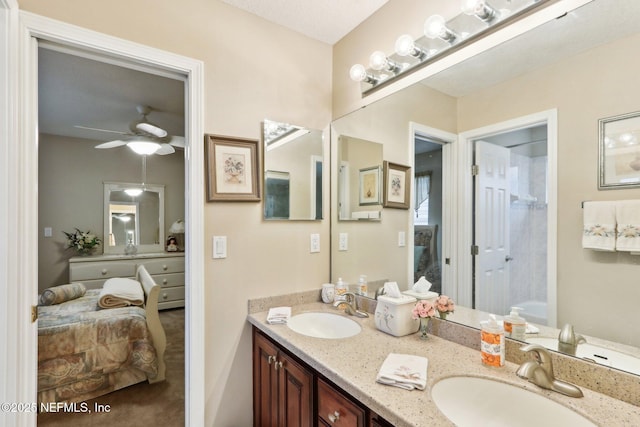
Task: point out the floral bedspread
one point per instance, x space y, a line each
84 350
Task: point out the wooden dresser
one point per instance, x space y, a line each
167 269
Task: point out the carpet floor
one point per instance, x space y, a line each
160 404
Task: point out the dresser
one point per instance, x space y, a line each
167 269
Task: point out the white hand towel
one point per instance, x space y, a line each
599 226
278 315
405 371
628 218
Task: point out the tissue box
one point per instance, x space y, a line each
393 315
429 296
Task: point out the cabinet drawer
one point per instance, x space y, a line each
336 409
164 265
171 294
169 280
100 270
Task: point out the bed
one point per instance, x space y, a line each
85 351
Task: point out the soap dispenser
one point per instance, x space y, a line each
492 347
514 325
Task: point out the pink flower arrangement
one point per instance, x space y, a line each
444 304
423 309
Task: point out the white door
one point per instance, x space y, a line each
492 228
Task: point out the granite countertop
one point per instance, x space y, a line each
353 363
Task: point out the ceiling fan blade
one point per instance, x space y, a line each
176 141
101 130
150 129
111 144
165 149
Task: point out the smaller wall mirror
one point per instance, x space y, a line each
359 179
293 172
133 213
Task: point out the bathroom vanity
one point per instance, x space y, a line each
346 369
166 269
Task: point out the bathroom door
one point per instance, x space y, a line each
491 227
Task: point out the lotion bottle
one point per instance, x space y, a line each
341 290
492 347
514 325
362 285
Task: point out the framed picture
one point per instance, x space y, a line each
619 160
396 185
370 186
233 169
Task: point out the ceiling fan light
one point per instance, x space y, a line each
143 148
133 192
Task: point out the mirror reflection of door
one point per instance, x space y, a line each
428 211
510 226
124 226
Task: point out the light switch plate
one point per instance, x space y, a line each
48 232
219 247
343 243
315 243
402 238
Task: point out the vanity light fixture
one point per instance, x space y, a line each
436 27
480 9
378 61
406 46
359 74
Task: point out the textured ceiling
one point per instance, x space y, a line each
324 20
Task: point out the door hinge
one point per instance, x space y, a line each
475 170
475 250
34 313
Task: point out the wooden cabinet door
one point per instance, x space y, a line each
336 409
265 383
376 421
294 394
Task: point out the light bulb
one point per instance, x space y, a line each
434 26
472 7
358 73
378 60
143 147
405 45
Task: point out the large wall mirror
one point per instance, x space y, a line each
293 171
133 213
571 66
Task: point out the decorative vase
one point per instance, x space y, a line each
424 327
443 315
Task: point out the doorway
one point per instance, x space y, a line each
512 219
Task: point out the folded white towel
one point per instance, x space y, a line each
278 315
599 230
628 218
405 371
120 292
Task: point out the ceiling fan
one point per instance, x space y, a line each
143 136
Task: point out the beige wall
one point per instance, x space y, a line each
597 84
253 70
71 174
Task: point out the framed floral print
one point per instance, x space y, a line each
370 186
396 185
233 169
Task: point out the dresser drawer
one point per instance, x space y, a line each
336 409
171 294
169 280
164 265
101 270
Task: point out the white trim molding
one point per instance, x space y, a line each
465 202
23 198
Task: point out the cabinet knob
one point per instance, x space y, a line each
271 359
334 417
164 295
164 281
164 267
278 365
104 271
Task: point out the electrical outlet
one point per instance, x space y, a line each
402 238
343 243
219 247
315 243
48 232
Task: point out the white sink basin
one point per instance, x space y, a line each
324 325
473 401
595 353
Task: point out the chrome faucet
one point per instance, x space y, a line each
380 291
568 340
540 372
351 305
